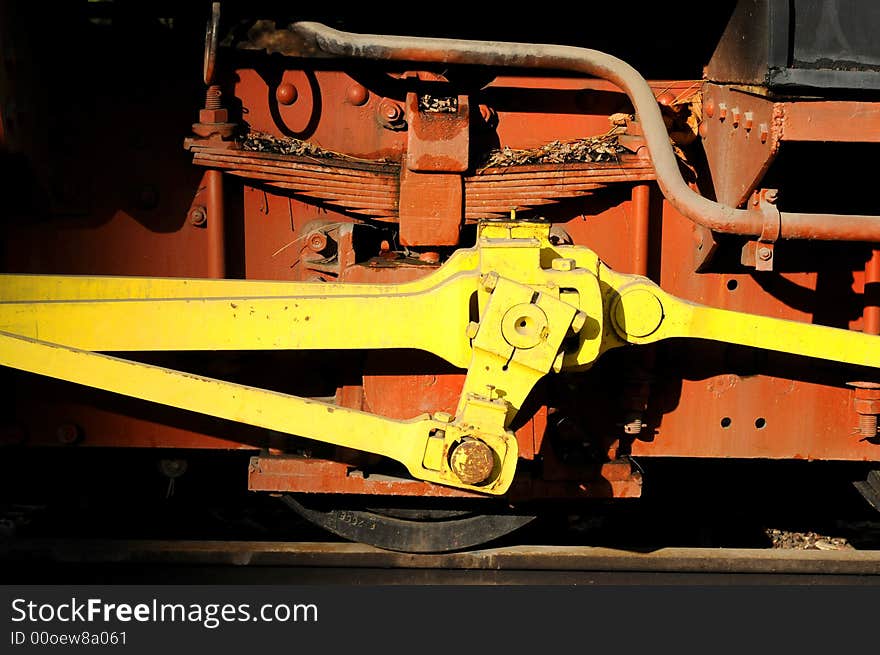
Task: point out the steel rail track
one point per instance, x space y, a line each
100 561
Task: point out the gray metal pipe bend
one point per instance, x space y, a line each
714 216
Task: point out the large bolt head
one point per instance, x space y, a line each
213 115
472 461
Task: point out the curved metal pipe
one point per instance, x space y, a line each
713 215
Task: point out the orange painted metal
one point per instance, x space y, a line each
615 479
871 314
215 226
430 208
439 141
847 121
641 207
739 156
707 400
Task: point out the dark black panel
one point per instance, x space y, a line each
800 44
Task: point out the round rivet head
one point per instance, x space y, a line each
357 95
472 461
637 313
286 93
709 108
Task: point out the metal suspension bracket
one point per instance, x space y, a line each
510 310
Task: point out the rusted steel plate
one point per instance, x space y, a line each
298 475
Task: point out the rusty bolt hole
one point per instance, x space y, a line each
760 422
732 285
725 422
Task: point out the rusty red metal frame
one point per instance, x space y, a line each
615 479
315 39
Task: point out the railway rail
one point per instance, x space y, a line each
119 561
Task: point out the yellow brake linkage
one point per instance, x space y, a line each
509 310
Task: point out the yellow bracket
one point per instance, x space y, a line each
510 310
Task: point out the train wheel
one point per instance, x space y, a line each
411 530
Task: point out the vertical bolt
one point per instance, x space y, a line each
764 253
736 116
868 426
633 426
722 111
764 130
748 120
212 97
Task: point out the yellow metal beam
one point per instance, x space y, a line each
640 312
434 320
404 441
509 310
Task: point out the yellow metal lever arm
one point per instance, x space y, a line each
405 441
434 320
640 312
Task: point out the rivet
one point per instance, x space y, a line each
286 93
357 95
709 108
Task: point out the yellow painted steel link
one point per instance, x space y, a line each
509 310
640 312
434 320
404 441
